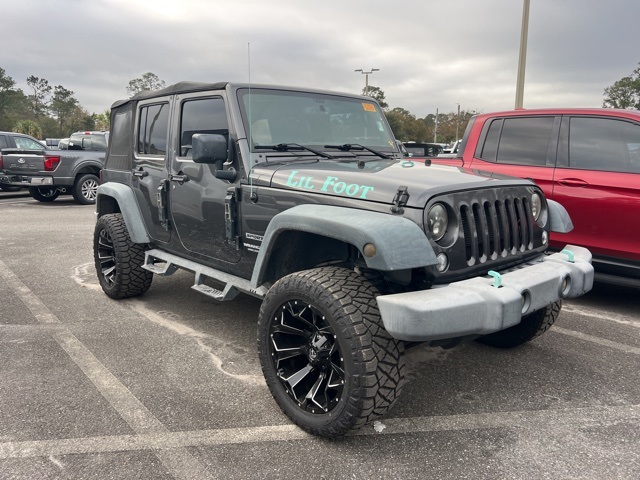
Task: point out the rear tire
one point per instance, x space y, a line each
44 194
327 360
118 259
531 326
85 189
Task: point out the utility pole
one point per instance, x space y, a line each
522 60
435 130
458 123
366 78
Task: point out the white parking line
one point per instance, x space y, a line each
561 422
178 461
599 314
600 341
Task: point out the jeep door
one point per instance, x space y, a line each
197 197
150 165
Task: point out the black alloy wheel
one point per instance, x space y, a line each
326 357
307 356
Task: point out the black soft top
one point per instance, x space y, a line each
180 87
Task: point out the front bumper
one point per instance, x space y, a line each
484 305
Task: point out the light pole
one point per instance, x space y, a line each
366 78
522 60
457 122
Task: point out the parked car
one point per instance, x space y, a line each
417 149
586 159
451 151
26 162
16 140
91 141
51 143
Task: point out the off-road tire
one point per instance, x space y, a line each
531 326
44 194
119 260
85 189
336 306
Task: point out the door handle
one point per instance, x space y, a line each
573 182
179 178
139 173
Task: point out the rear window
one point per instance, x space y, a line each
604 144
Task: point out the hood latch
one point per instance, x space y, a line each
400 200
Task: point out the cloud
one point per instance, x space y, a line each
430 54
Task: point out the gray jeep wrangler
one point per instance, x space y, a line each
302 199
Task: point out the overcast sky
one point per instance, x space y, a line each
432 54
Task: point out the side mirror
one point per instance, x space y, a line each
211 148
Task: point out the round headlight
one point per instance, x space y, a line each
438 221
536 206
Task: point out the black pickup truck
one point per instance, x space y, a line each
25 162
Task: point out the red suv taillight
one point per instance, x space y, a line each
51 163
1 163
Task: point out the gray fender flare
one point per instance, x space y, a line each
128 206
559 219
400 243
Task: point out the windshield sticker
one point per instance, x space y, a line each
368 107
329 184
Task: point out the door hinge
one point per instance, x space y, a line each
231 217
163 203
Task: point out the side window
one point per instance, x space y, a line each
490 147
525 141
28 144
202 115
604 144
152 129
3 142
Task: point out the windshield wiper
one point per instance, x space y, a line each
285 147
356 146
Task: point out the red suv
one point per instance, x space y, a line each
586 159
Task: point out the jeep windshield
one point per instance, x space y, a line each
315 123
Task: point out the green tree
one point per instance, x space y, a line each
6 89
41 91
406 127
28 127
625 93
377 94
63 106
14 105
148 81
102 121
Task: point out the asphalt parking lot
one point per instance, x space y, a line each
169 385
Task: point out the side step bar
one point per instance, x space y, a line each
169 264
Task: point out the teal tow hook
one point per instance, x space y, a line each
569 254
497 278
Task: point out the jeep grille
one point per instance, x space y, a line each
499 228
495 230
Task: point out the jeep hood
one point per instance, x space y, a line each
376 181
